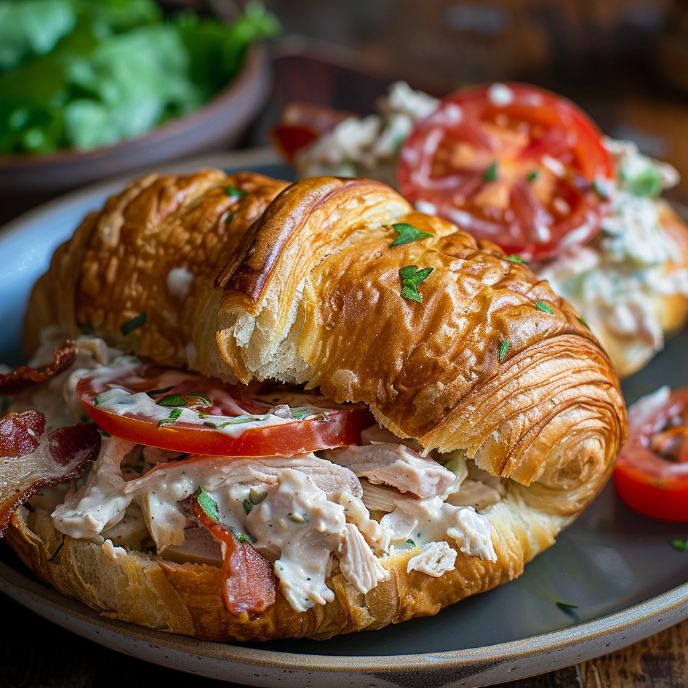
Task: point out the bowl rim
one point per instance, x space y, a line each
255 62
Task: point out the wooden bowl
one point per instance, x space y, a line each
213 127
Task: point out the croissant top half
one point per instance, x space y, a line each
300 283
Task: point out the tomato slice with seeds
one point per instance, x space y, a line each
651 473
511 163
180 411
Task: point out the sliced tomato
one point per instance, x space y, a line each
511 163
651 473
180 411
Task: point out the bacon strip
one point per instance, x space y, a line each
31 459
24 376
249 583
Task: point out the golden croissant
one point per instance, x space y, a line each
267 322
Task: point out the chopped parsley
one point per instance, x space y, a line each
155 392
680 545
411 277
583 321
246 538
134 324
532 176
208 504
233 191
247 506
203 400
515 259
544 307
490 174
236 421
256 497
174 414
503 349
407 234
298 518
646 183
173 400
566 606
229 218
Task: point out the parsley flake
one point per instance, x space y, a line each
544 307
246 538
411 277
566 605
208 504
256 497
583 321
173 400
515 259
155 392
407 234
203 400
298 518
490 174
503 349
134 324
233 191
532 176
247 506
174 414
680 545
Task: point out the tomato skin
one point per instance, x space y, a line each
331 427
299 437
445 162
666 501
644 480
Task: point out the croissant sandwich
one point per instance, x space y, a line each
257 410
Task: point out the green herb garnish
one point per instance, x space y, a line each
490 174
301 413
680 545
544 307
247 506
583 321
86 329
410 543
647 183
515 259
503 349
174 414
134 324
407 234
208 504
203 400
233 191
246 538
411 277
532 176
256 497
173 400
298 518
229 218
155 392
566 605
104 434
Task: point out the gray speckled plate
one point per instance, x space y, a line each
615 565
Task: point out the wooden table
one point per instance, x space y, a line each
37 654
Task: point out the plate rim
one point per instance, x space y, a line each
635 616
639 617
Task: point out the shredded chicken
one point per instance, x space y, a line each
435 559
357 562
395 465
476 494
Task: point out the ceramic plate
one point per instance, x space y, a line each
617 567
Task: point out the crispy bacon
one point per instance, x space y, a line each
301 124
249 583
24 376
31 459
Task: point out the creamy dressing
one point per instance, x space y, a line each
179 282
297 519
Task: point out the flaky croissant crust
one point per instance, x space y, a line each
299 283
